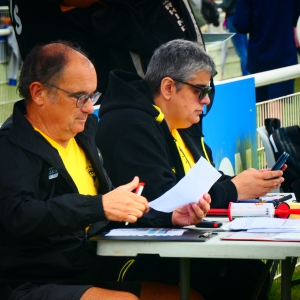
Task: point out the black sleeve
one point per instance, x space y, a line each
27 208
223 192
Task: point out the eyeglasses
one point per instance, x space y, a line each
204 90
81 100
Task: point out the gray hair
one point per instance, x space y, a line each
180 59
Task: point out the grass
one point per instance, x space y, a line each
297 85
275 292
297 80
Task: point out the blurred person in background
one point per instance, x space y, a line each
270 24
39 22
239 40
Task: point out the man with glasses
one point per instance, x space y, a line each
55 193
150 127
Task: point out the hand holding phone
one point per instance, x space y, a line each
280 161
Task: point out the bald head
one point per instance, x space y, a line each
53 79
47 64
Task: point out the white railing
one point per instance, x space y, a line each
286 109
268 77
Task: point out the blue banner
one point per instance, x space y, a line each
230 126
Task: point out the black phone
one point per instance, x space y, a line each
280 161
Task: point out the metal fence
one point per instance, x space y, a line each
3 44
286 109
8 94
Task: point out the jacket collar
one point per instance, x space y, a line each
22 134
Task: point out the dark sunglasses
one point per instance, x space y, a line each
204 90
81 100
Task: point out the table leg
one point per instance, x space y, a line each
262 280
286 268
184 278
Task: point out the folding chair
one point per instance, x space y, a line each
268 149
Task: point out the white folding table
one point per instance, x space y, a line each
213 248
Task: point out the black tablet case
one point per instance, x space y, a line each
188 236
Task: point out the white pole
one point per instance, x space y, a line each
269 77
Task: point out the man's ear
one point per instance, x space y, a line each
37 92
167 87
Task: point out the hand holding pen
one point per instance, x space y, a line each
138 191
122 205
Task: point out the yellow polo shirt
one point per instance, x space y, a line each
77 165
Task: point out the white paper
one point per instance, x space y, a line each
273 230
146 232
264 224
189 189
287 236
246 236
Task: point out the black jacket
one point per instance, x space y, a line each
133 143
42 216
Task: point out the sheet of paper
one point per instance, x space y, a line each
273 230
146 232
189 189
248 236
264 224
288 236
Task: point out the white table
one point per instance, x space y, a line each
213 248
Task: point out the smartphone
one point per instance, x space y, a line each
280 161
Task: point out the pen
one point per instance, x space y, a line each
209 224
287 197
138 191
280 201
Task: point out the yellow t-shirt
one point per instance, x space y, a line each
186 156
77 165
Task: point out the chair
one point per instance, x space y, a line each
263 134
270 162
